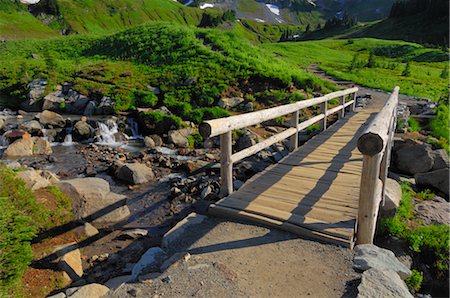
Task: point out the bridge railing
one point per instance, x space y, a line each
375 144
223 127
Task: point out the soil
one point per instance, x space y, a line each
232 259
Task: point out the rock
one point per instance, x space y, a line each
157 139
438 179
369 256
77 103
248 107
32 127
440 160
28 146
244 141
91 291
49 118
36 92
193 166
2 123
151 259
82 131
434 211
70 260
116 282
133 234
54 101
382 284
392 196
175 233
149 142
180 137
33 179
86 230
176 258
135 173
106 106
59 295
205 192
90 109
92 196
230 102
413 158
13 165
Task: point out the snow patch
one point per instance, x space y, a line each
311 2
188 3
279 20
29 1
274 9
259 20
206 5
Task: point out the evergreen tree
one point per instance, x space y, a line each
407 71
371 61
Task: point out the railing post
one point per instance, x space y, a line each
369 199
341 113
293 141
226 165
323 110
354 102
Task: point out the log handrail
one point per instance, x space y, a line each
224 126
375 144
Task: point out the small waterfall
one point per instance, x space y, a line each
106 133
133 126
68 138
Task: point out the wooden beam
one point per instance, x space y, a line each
293 141
342 102
226 164
323 111
219 126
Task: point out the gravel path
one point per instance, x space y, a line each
230 259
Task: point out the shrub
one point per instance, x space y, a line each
195 140
413 125
407 71
414 281
440 125
214 113
313 128
158 122
144 99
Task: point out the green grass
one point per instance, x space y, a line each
335 57
413 125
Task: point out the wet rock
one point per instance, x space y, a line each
86 230
54 101
70 260
382 284
36 92
393 195
231 102
33 127
434 211
411 158
180 137
82 131
149 142
91 291
150 260
135 173
369 256
440 160
438 179
92 196
49 118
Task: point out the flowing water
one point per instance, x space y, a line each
107 133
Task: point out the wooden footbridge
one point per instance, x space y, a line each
330 188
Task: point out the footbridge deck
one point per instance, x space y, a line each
325 187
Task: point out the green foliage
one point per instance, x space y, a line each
413 125
159 122
444 73
371 60
63 212
440 125
144 99
407 71
426 194
313 128
195 140
414 282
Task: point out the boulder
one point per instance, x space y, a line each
89 109
174 234
392 196
440 160
369 256
69 260
150 260
230 102
438 179
91 290
42 147
49 118
86 230
106 106
149 142
82 131
54 101
135 173
92 196
433 211
180 137
157 139
412 158
36 91
33 179
246 140
2 123
77 103
382 284
28 146
33 127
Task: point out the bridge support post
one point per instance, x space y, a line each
341 113
354 102
369 199
293 141
226 164
323 110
